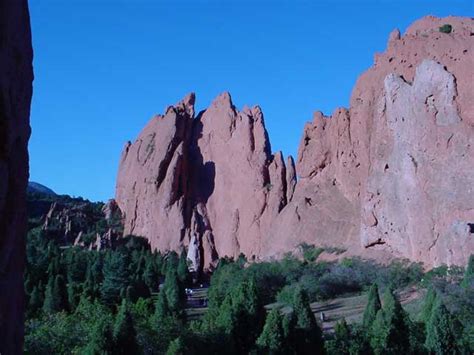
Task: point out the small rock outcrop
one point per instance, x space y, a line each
77 222
16 77
392 176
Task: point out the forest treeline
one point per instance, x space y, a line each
132 300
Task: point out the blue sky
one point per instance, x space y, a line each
104 68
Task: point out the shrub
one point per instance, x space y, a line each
446 28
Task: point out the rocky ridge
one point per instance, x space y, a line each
75 221
392 176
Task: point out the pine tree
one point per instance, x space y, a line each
468 280
55 298
391 329
116 277
378 334
161 307
124 334
176 347
373 306
427 309
308 335
247 315
398 323
100 339
440 333
174 293
151 276
35 301
60 290
272 338
182 269
73 295
342 337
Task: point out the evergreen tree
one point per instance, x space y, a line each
373 306
100 339
308 335
176 347
151 276
398 324
54 267
468 280
378 334
440 333
182 269
359 344
272 338
429 301
172 261
60 290
391 328
116 277
174 292
73 295
161 307
55 298
35 301
341 344
247 315
124 334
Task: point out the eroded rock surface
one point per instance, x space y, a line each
16 76
189 181
392 176
395 172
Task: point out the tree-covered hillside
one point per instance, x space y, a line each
124 298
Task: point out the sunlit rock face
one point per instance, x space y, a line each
16 76
208 182
392 176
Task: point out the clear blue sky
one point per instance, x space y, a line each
104 68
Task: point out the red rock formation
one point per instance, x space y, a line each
390 177
395 172
16 76
186 180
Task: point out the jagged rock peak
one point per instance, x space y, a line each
388 177
176 180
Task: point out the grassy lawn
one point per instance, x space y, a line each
196 303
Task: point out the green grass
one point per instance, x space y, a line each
194 313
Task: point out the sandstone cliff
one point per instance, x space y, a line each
189 181
392 176
395 172
16 76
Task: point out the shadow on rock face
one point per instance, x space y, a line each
203 174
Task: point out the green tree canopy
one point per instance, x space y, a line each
373 306
124 333
272 337
441 334
308 334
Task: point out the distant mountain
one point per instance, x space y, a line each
34 187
